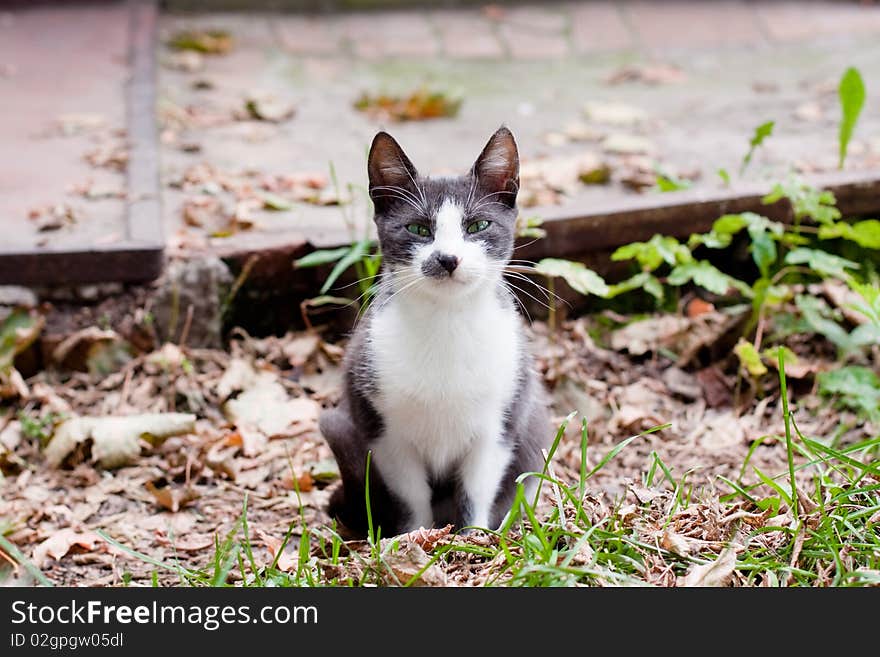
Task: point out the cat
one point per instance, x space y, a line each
439 383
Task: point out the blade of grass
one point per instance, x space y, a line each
786 415
9 548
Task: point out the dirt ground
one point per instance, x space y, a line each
255 436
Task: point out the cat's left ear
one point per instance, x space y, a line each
497 168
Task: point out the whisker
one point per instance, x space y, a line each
402 191
522 246
415 185
530 296
517 299
411 203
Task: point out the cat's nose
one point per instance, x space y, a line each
448 262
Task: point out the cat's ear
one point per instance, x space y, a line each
497 168
390 171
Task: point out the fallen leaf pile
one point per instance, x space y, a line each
226 202
420 105
159 453
209 42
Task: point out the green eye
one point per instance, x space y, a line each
478 226
419 229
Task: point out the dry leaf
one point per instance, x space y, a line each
77 124
239 375
53 217
697 307
286 562
188 61
265 107
646 335
675 543
301 348
265 406
716 573
61 542
409 561
10 436
82 340
110 155
618 114
209 42
116 441
810 112
648 74
621 143
419 105
427 539
172 497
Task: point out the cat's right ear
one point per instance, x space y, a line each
392 175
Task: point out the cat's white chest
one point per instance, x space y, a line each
444 375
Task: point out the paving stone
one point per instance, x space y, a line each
535 33
466 34
798 21
308 35
598 26
389 34
682 25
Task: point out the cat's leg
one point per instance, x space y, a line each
404 473
481 474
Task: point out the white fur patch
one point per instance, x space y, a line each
446 369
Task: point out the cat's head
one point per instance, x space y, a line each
452 235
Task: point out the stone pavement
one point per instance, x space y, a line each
552 30
724 67
62 78
533 68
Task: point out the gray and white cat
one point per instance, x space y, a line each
438 378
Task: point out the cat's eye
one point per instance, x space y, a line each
478 226
419 229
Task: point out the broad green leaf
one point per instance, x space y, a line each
581 279
706 275
806 200
710 240
817 315
643 280
761 133
669 183
762 232
530 227
321 257
654 252
864 233
275 202
655 288
729 224
859 388
17 332
357 252
870 295
763 250
725 176
865 335
749 358
821 262
852 98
